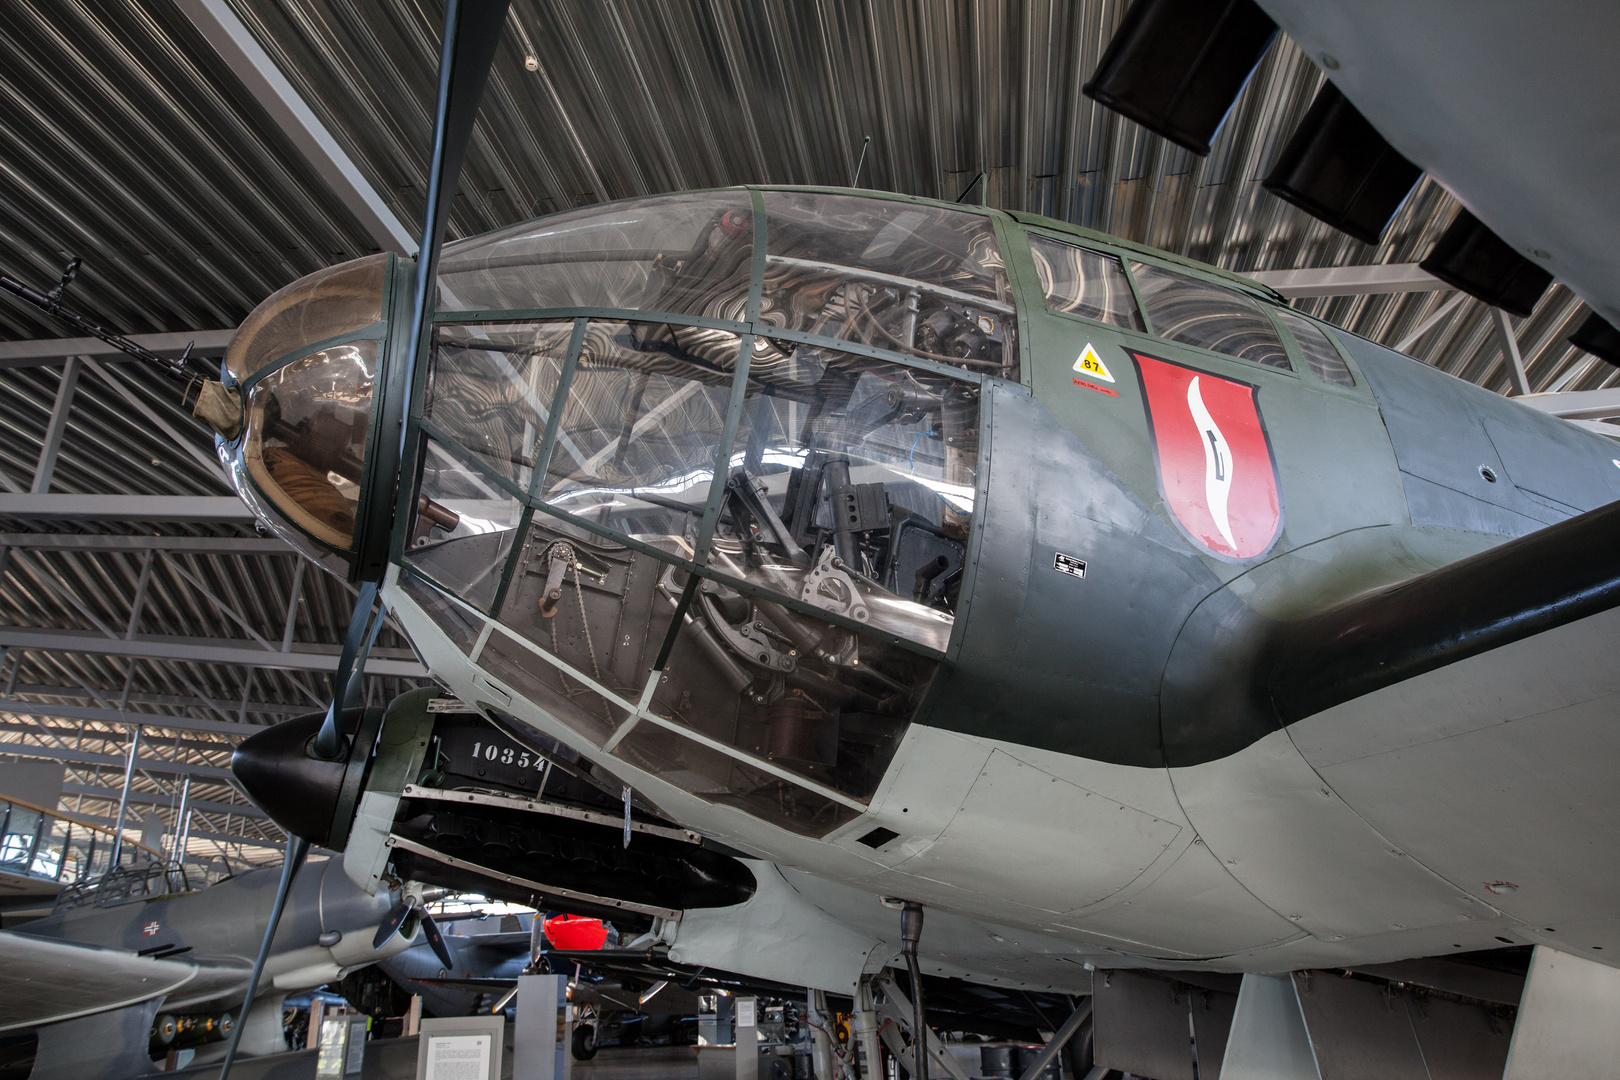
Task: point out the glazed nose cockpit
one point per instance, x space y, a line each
304 366
690 479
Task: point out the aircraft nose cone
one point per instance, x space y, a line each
300 793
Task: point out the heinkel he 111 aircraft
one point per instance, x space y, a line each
1090 597
798 562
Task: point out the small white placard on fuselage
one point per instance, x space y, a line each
1068 564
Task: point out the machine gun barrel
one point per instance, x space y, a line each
51 304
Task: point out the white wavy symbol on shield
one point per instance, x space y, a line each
1217 463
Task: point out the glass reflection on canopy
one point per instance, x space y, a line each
638 435
305 439
687 253
327 304
921 280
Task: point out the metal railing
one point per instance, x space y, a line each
124 884
51 845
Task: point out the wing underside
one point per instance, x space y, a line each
44 981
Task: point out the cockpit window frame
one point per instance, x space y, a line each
419 429
1357 389
1034 287
1256 296
1008 236
1031 288
384 331
426 429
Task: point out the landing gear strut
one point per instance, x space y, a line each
911 923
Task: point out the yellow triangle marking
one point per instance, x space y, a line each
1092 365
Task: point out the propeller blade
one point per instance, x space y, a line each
297 848
440 947
390 924
471 30
329 744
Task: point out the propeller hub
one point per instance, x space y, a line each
300 792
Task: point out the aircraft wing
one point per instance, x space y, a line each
508 942
43 981
1470 712
1512 111
1485 604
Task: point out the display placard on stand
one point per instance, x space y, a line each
460 1048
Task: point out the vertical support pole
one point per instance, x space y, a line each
182 819
1510 351
746 1025
40 828
123 797
67 846
185 836
537 1052
57 426
911 924
317 1012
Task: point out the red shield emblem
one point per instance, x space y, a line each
1215 466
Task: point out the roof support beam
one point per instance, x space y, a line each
209 462
196 545
244 55
1440 314
135 608
1349 280
57 427
48 352
121 718
34 725
1577 404
84 757
146 798
220 838
1597 427
1510 351
206 651
295 596
232 838
168 700
34 506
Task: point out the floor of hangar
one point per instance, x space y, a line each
395 1059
